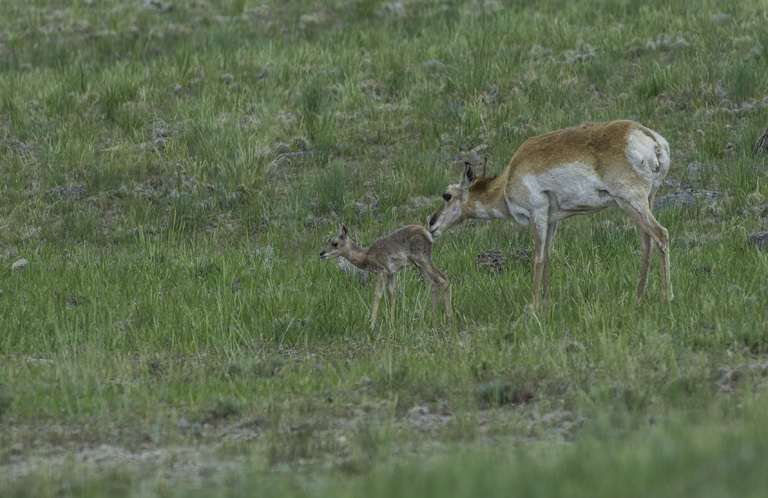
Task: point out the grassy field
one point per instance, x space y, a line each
170 172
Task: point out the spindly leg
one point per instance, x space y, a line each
447 298
436 280
377 298
435 295
645 260
640 212
551 230
428 272
442 281
540 228
391 296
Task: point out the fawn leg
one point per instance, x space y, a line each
376 299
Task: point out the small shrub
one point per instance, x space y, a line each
744 81
6 400
254 368
502 393
224 407
331 186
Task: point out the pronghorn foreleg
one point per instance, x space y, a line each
540 228
446 285
376 298
391 296
551 230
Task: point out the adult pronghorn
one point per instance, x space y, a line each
578 170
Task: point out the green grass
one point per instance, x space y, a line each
171 172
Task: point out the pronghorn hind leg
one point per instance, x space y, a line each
436 280
429 275
666 281
441 281
645 260
640 212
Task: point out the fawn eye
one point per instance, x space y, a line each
335 244
447 197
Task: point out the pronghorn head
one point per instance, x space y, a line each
455 197
338 244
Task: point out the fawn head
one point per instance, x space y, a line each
338 244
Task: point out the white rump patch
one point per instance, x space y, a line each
648 156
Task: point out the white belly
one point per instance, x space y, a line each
569 190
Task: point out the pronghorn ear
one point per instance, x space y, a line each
340 228
469 174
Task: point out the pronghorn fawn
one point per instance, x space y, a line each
388 255
578 170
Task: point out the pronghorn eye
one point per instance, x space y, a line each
335 244
447 197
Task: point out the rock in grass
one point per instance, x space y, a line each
695 170
493 259
20 264
761 146
194 428
264 71
38 361
280 148
722 18
161 6
702 270
225 407
75 192
687 198
582 52
393 9
496 260
6 400
759 239
17 145
237 285
502 393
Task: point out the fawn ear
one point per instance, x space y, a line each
469 175
338 227
344 230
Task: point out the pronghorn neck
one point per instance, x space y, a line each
356 255
486 200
